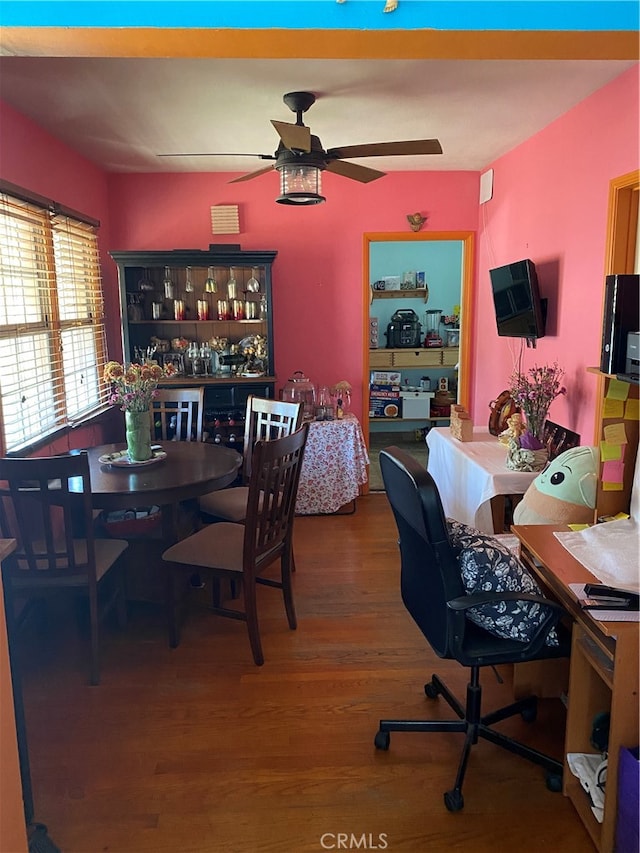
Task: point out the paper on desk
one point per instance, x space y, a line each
611 551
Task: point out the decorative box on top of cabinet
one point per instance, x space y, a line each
141 276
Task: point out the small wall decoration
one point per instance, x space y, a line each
416 221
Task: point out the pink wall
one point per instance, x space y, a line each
318 291
37 161
550 204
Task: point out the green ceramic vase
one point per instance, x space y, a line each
138 426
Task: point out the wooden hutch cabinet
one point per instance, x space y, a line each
174 302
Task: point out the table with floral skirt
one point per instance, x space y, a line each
334 466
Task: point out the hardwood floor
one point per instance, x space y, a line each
196 750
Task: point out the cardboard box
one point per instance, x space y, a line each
385 377
416 404
385 401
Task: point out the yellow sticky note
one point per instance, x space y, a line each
612 408
612 487
615 433
578 526
610 451
618 390
632 410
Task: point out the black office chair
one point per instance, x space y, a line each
433 593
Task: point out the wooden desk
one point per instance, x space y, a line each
334 466
472 477
603 674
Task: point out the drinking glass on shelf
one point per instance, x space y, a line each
203 309
253 285
178 309
188 284
238 309
223 309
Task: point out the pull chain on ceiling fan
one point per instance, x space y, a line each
300 158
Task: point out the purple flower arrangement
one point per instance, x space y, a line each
534 392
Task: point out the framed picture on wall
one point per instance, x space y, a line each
557 439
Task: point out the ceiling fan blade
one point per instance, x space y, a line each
220 154
251 175
383 149
296 137
352 170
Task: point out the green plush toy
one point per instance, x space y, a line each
565 492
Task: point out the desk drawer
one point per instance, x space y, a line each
380 358
417 358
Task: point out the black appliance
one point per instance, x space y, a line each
520 312
404 330
620 318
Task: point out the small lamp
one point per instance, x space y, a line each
300 184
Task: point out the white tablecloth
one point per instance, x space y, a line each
334 466
469 473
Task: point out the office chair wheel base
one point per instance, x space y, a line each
453 800
554 782
382 740
431 690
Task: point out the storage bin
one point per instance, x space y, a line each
627 840
416 404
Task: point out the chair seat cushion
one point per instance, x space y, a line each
216 546
486 565
229 504
107 552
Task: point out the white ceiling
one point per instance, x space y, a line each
121 113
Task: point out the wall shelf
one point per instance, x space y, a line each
416 293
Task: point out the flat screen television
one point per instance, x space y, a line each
520 312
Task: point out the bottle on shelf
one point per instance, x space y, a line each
188 281
210 284
168 285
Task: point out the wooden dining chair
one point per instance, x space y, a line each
241 552
177 414
265 420
56 549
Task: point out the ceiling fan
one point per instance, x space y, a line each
300 157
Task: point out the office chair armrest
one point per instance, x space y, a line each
476 599
551 609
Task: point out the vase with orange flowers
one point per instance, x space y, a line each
133 387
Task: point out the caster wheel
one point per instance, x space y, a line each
431 690
529 714
454 801
382 740
554 782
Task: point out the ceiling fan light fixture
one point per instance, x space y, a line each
300 184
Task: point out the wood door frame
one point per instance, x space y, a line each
620 251
467 238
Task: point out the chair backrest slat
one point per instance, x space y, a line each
273 488
265 420
177 414
49 513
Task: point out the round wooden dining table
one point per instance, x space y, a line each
189 470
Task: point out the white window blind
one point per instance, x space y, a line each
52 335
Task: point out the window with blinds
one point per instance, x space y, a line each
52 334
